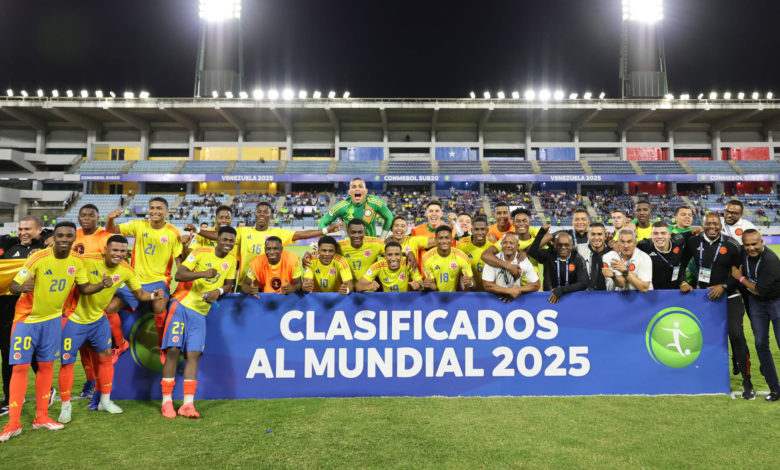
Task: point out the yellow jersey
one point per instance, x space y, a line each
328 277
250 243
392 281
202 242
203 259
360 259
154 250
445 270
54 279
85 309
415 245
474 253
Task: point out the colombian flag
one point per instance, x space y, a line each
8 269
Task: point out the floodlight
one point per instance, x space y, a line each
9 92
500 95
544 95
587 95
243 95
754 95
24 93
515 95
98 93
530 95
669 96
472 95
713 95
69 93
331 94
229 95
741 95
345 95
214 94
645 11
558 95
273 94
287 94
55 93
258 94
486 95
112 94
727 95
130 95
219 10
685 97
40 93
602 95
302 94
143 95
573 96
84 94
769 95
317 94
701 96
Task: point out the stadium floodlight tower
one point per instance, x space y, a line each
642 57
220 61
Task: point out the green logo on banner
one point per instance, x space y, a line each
674 338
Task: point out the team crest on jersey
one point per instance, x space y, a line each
175 339
738 232
572 267
407 249
367 253
66 356
163 240
17 356
115 277
402 276
631 267
332 271
23 272
368 273
723 250
676 250
225 265
71 270
367 213
191 258
453 265
249 273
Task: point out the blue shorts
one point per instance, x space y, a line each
184 328
96 334
42 339
130 301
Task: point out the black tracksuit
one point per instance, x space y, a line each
664 263
594 262
560 276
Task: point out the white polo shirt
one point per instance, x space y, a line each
640 264
735 231
501 277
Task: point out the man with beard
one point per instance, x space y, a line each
593 252
627 268
564 269
360 206
734 225
392 274
665 252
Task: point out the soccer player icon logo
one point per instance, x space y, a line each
676 333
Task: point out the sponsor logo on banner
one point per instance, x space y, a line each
674 337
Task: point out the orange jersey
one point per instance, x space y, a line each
493 230
94 243
271 278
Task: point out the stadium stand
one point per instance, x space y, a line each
611 167
409 167
214 166
711 167
499 167
316 167
759 166
263 168
146 166
460 168
101 167
104 202
561 168
359 168
659 168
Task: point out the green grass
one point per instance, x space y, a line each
557 432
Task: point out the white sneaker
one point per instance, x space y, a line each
65 412
109 406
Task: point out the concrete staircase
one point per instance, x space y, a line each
179 166
737 168
280 203
636 167
535 166
685 166
230 167
589 207
586 166
434 167
383 167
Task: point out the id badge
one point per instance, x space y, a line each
675 273
704 275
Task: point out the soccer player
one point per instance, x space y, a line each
503 222
275 271
413 245
714 255
433 214
500 281
85 322
619 221
734 225
628 268
521 219
359 205
212 272
392 274
224 218
643 221
593 254
442 267
474 246
45 282
463 226
329 271
761 280
157 245
581 221
683 219
571 275
359 250
665 252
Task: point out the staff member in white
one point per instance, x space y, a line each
628 268
502 282
733 223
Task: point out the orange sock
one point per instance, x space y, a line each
105 374
189 387
159 322
43 380
167 386
86 362
17 390
66 381
116 329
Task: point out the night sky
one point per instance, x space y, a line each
401 48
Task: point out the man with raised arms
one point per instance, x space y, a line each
359 205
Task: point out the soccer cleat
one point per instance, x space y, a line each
4 409
93 405
773 396
52 394
167 410
47 423
9 432
89 387
65 413
747 390
110 407
119 351
188 411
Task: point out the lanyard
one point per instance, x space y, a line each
753 278
558 270
660 255
701 253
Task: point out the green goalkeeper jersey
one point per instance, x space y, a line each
345 210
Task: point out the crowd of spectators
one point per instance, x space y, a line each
410 202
